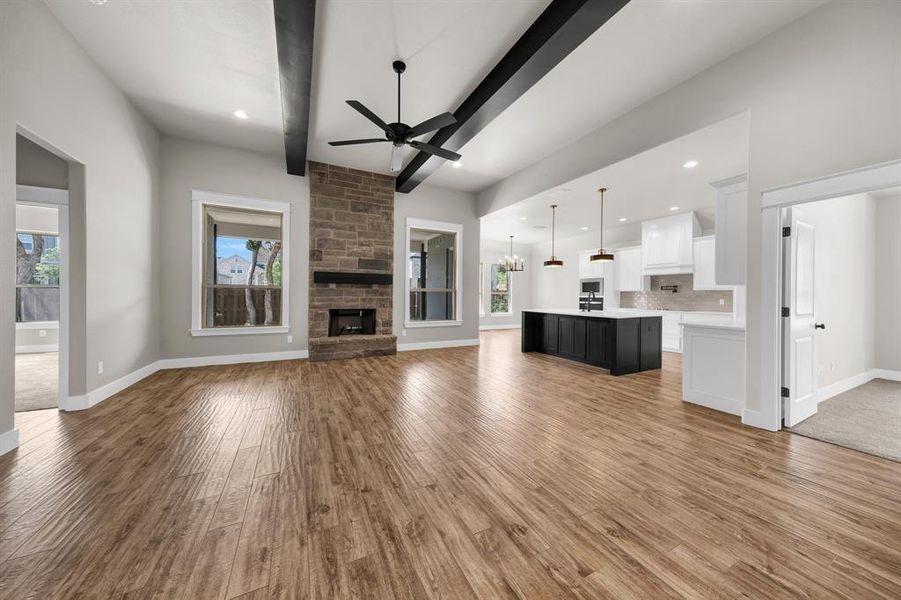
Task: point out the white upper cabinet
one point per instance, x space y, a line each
731 229
705 265
628 270
667 244
594 270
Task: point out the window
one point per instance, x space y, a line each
240 258
500 290
481 289
37 277
433 273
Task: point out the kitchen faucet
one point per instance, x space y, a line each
590 299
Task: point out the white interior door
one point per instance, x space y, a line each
799 327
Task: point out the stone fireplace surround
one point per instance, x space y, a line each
352 231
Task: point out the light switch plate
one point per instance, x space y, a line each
290 339
100 368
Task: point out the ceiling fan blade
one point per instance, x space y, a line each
358 106
397 158
442 120
352 142
435 150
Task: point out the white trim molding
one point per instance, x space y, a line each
856 181
29 194
886 374
840 387
9 441
37 349
199 199
436 345
229 359
505 326
220 331
444 227
112 388
38 324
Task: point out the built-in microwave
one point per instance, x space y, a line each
591 285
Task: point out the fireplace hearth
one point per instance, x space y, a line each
351 321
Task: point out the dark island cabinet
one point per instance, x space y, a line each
622 345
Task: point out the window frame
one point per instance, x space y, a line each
481 288
201 199
443 227
509 293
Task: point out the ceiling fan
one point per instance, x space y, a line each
400 133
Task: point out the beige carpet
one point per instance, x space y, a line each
37 381
867 418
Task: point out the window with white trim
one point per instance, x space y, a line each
432 273
501 301
240 270
481 289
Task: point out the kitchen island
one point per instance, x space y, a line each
623 342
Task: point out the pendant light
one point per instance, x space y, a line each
512 262
602 255
553 261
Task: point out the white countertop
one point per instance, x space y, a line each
598 314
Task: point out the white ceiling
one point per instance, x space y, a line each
643 187
188 65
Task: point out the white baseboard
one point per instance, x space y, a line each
229 359
9 441
37 349
439 344
112 388
755 418
508 326
97 396
886 374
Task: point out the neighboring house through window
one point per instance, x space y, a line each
240 259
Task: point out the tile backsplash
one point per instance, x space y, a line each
687 298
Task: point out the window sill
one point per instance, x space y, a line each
504 314
38 325
238 331
417 324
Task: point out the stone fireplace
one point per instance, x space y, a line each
351 263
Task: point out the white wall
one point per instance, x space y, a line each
888 283
451 206
824 95
52 90
190 166
493 252
844 285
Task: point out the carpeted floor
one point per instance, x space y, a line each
37 381
867 418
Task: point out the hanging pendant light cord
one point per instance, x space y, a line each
602 190
553 230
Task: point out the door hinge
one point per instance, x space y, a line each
786 231
785 392
786 311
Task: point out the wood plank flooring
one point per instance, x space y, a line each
458 473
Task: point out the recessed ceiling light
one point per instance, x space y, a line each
559 192
674 208
585 229
457 164
523 218
622 220
240 114
99 2
691 164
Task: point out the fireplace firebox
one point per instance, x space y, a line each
351 321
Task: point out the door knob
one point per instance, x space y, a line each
819 326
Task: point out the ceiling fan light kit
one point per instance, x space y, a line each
553 261
401 134
601 255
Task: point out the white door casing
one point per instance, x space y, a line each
798 329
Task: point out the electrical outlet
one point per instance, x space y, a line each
821 369
403 333
290 339
832 366
42 333
722 301
100 368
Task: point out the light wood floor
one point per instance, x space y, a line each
459 473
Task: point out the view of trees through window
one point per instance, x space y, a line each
244 278
500 289
37 277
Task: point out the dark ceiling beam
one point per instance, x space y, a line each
294 20
562 26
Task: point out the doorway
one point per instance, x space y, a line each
833 262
